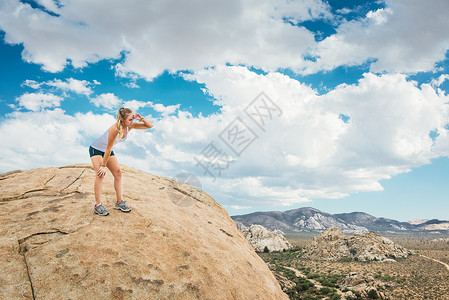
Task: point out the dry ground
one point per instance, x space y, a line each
416 277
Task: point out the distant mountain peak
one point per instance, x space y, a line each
312 219
418 222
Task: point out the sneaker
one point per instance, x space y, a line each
122 206
100 210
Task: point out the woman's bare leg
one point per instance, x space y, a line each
98 183
114 167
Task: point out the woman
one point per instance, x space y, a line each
102 156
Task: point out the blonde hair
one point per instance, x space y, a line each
121 115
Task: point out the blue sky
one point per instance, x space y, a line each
273 105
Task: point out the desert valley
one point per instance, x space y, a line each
324 256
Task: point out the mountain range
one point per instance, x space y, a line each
311 219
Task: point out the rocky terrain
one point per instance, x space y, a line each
311 219
364 285
423 275
333 244
54 247
259 238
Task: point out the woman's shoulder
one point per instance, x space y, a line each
113 128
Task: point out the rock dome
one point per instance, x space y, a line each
54 247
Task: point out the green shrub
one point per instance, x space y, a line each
302 287
372 294
335 297
309 297
346 259
326 291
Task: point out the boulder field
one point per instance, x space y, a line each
333 244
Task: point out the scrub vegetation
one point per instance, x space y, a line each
417 277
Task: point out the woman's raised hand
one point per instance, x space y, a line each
137 116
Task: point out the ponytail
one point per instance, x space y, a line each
121 115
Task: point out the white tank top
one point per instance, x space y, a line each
102 142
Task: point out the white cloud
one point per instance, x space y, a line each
120 71
48 138
391 119
73 85
51 41
165 110
407 36
107 100
379 16
135 105
32 84
70 85
49 5
438 82
173 35
298 11
162 35
309 152
38 101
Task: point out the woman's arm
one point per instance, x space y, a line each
113 132
145 125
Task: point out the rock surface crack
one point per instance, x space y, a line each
76 179
29 276
50 179
32 241
186 193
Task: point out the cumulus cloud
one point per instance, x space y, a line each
106 100
120 71
161 35
135 105
163 110
152 37
38 101
32 84
439 81
407 36
315 153
50 40
73 85
48 138
70 85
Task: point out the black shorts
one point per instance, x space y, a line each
93 152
